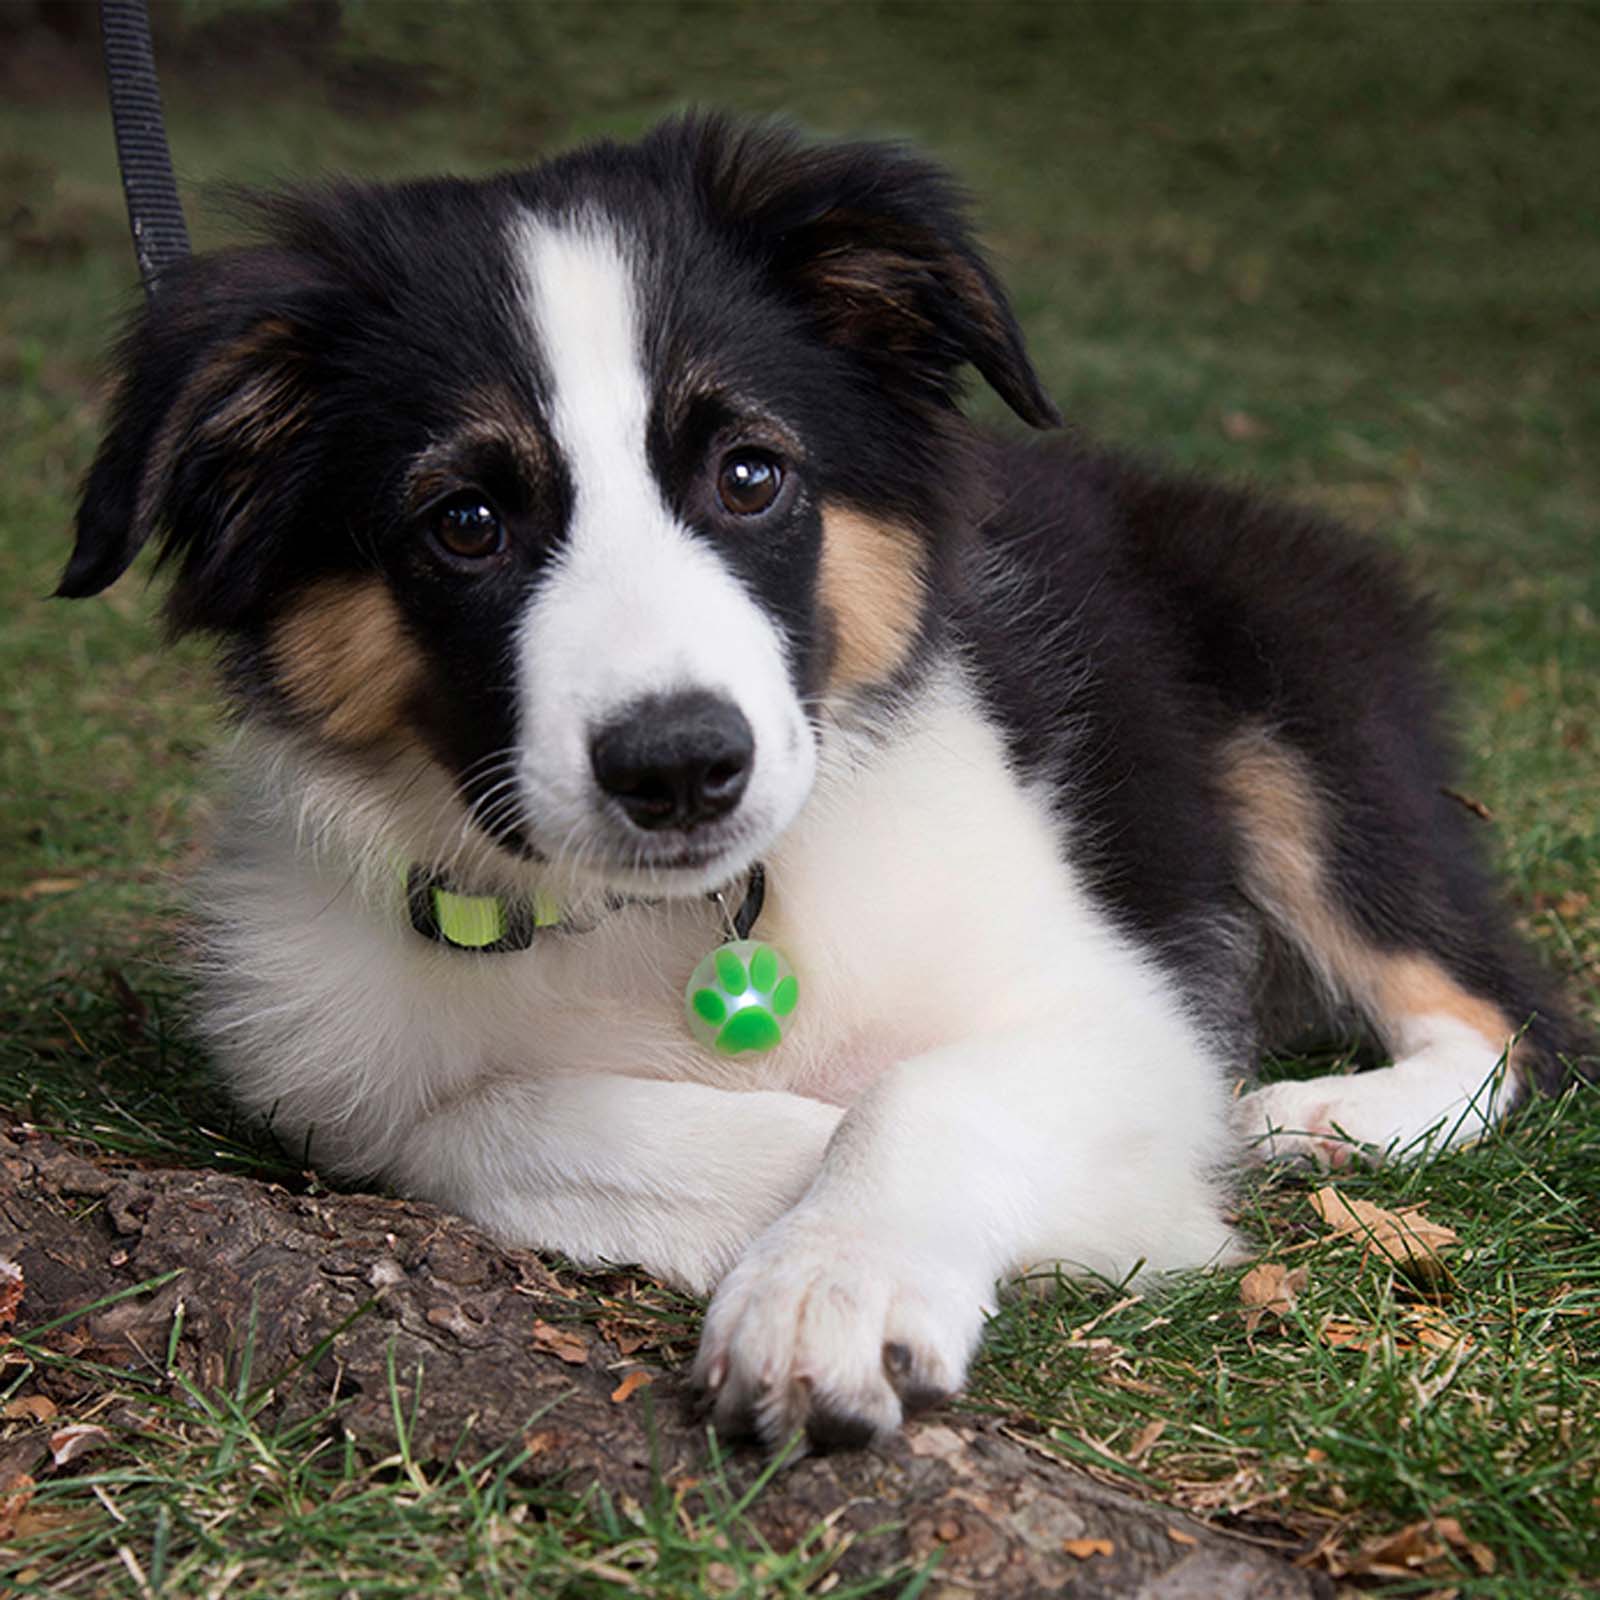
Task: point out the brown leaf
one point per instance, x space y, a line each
1433 1330
1405 1237
35 1407
1480 1555
565 1344
43 886
15 1493
10 1291
76 1439
627 1337
1270 1289
1423 1328
1243 428
1144 1440
1084 1548
1178 1536
631 1384
1343 1334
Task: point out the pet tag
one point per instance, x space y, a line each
741 997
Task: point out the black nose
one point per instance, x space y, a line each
675 761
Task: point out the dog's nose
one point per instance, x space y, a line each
675 761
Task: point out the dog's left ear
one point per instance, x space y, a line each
872 243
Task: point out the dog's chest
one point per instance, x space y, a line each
919 898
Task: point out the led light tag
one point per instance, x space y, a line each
741 998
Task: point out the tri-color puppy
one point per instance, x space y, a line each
583 539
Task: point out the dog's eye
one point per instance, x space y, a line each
468 527
748 482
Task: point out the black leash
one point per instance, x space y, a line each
155 214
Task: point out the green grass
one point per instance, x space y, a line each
1346 250
199 1493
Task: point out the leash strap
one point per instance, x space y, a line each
155 214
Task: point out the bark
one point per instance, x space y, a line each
338 1287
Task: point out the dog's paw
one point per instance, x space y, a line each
1387 1113
823 1329
1296 1121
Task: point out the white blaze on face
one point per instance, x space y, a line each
634 604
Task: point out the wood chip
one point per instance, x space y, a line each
630 1385
1082 1549
1178 1536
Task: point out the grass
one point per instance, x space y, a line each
194 1492
1347 251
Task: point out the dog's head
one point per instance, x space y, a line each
589 482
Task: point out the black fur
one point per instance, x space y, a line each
1122 623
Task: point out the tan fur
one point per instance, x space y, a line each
343 657
244 394
1283 828
872 583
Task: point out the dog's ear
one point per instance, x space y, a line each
871 241
206 436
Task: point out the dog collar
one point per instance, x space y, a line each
739 999
485 924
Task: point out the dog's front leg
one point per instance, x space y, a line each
1091 1146
677 1177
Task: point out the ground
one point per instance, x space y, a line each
1348 253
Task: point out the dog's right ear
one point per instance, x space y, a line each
213 396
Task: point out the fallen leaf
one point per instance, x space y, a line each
1243 428
43 886
35 1407
631 1384
1145 1440
1178 1536
1405 1237
1433 1330
563 1343
1342 1333
15 1494
627 1337
1270 1288
1082 1549
76 1439
1480 1555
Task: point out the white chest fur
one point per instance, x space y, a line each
922 897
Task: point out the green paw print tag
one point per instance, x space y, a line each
741 997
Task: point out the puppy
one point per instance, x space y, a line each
598 557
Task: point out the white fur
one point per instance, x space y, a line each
637 605
1449 1084
1019 1083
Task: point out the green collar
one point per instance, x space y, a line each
488 925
